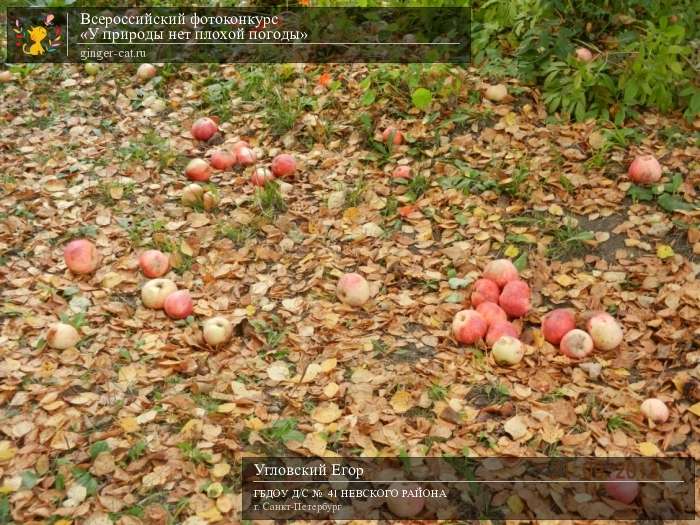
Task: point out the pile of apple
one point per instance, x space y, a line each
81 257
240 154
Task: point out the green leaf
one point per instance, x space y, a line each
638 193
29 479
368 97
97 448
86 480
521 262
671 203
422 98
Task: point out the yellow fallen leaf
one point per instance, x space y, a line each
226 408
401 402
255 423
212 514
664 251
224 503
7 451
330 389
129 424
186 249
315 443
512 251
555 209
329 364
220 470
694 409
326 413
515 504
111 279
311 373
648 449
564 280
250 310
192 429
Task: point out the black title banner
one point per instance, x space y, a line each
468 488
269 34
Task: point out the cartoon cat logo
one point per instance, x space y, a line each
38 39
37 35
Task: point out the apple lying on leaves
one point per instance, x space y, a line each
216 330
81 256
645 169
92 69
507 350
576 344
178 305
198 169
499 329
154 263
146 71
515 298
192 195
261 176
468 326
61 336
222 160
204 128
621 487
283 165
491 312
557 323
483 291
496 93
155 291
583 54
353 289
390 132
605 331
401 172
245 156
655 410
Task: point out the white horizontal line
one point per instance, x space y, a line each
269 43
480 481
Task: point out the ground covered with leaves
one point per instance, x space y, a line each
143 423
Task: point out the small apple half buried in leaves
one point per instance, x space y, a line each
204 128
353 289
216 330
61 336
155 291
81 256
283 165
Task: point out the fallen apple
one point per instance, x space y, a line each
496 93
146 71
557 323
583 54
222 160
499 329
576 344
92 69
245 156
261 176
210 200
390 132
515 298
468 326
491 312
81 256
6 76
283 165
178 305
198 169
655 410
353 289
645 169
621 488
501 272
61 336
217 330
605 331
401 172
155 291
485 290
154 263
204 128
192 195
405 506
507 350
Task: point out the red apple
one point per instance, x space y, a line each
204 128
392 131
576 344
283 165
583 54
645 169
198 169
485 290
61 336
499 329
245 156
401 172
238 145
353 289
557 323
81 256
515 298
501 272
621 487
222 160
468 326
260 176
146 71
155 291
605 331
496 93
154 263
178 305
491 312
